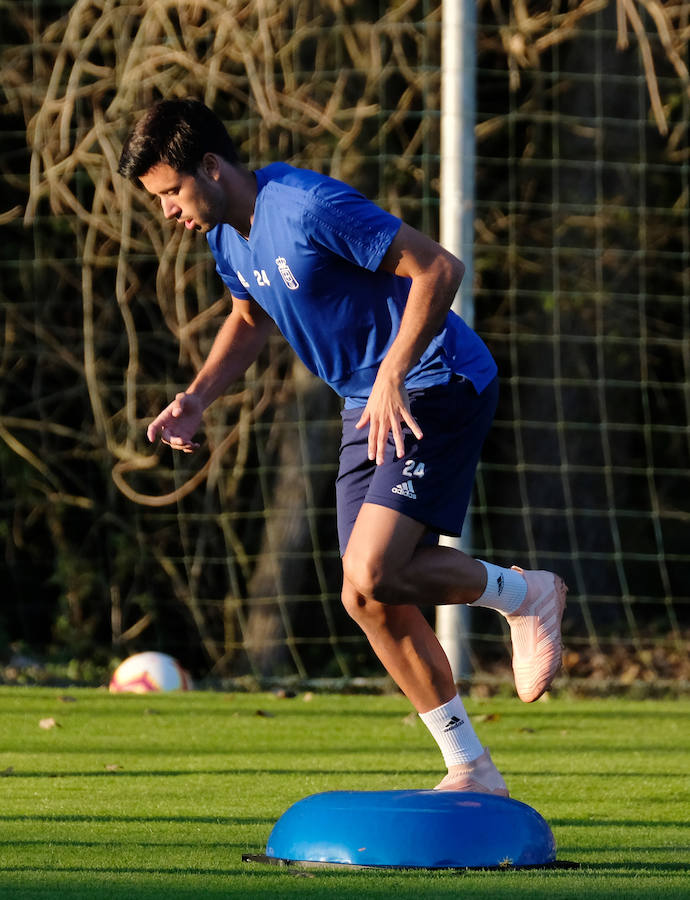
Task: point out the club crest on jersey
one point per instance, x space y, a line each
286 273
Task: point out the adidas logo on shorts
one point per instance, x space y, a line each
406 488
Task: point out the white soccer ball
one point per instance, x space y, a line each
151 671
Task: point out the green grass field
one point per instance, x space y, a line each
160 795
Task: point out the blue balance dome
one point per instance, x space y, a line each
412 829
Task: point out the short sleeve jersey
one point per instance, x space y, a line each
312 263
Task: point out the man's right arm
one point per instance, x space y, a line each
238 343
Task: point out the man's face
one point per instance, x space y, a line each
196 200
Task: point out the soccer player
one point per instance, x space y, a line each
364 300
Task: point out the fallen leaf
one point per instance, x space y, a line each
48 723
113 767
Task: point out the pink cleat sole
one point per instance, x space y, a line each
535 630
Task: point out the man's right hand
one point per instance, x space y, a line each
178 423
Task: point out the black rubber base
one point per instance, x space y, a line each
311 864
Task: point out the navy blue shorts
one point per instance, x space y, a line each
432 483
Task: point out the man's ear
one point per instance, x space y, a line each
210 165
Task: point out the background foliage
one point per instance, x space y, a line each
228 559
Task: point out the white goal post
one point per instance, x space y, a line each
458 114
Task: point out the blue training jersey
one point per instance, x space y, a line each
312 262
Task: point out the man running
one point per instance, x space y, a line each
364 300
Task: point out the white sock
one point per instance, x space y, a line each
450 727
505 589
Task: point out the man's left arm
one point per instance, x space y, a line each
435 275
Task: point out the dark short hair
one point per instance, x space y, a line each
176 132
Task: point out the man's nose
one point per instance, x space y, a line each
170 208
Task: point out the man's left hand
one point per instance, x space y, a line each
387 408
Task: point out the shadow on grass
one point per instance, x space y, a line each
125 870
619 823
637 869
196 820
181 773
621 870
108 841
401 775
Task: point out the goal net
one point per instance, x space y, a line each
228 559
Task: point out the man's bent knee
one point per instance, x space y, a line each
370 579
366 612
